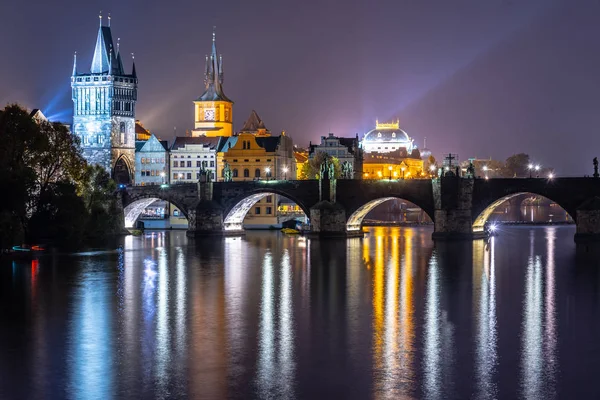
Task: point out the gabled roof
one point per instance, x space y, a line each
151 145
268 143
227 143
182 141
253 123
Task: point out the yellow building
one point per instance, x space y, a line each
392 166
213 111
141 133
253 154
301 157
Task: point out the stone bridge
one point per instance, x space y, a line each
458 207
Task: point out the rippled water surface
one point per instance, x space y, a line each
272 316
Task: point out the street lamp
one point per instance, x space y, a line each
550 175
285 170
537 170
530 167
390 168
485 170
162 175
268 172
403 168
379 174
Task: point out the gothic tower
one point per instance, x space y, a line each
213 110
104 109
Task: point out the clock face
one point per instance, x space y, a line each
209 115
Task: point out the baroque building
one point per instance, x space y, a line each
104 109
387 138
213 111
346 150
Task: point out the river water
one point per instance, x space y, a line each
392 315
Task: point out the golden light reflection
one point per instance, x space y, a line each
393 324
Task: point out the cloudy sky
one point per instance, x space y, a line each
478 78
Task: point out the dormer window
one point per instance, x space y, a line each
393 134
379 134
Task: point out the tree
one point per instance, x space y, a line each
516 166
312 168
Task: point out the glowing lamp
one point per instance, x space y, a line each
432 168
485 168
390 167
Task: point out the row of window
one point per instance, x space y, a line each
104 78
146 160
211 156
246 172
188 164
268 210
257 160
188 175
151 172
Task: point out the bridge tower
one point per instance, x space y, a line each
104 108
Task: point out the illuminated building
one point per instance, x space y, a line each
141 133
104 109
253 154
301 157
389 153
213 110
392 166
151 162
344 149
386 138
191 154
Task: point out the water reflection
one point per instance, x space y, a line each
539 336
390 315
484 305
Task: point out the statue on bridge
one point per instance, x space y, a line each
330 169
596 167
471 170
347 172
227 174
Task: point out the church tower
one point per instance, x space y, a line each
104 109
213 110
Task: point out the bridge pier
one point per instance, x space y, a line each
328 219
453 218
588 222
205 219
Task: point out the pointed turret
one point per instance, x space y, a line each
104 59
213 75
133 71
74 64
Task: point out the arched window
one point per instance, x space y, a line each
246 173
235 173
257 173
122 130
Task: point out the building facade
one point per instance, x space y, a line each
213 111
189 155
253 154
393 165
346 150
104 109
151 162
141 133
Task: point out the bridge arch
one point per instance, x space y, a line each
237 208
133 207
354 222
483 212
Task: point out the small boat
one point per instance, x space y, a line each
290 231
28 249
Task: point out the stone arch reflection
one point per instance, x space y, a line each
486 213
356 219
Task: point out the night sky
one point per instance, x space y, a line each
479 78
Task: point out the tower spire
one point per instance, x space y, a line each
133 71
100 16
109 20
74 64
